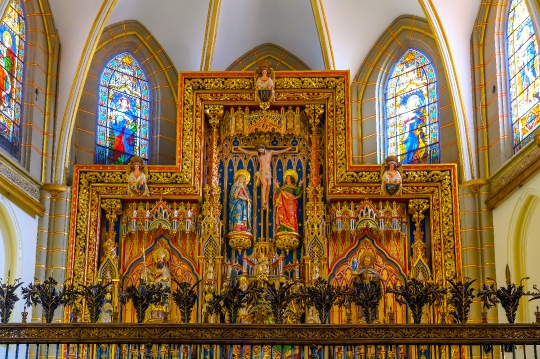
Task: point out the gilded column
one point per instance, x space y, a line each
315 262
210 237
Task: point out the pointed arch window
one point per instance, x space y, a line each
412 126
523 72
124 110
12 48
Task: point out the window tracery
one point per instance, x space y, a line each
412 128
124 109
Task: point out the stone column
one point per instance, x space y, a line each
52 241
477 246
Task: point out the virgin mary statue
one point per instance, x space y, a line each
240 203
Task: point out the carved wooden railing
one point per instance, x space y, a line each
174 341
376 334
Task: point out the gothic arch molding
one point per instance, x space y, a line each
368 91
133 37
39 89
491 85
280 58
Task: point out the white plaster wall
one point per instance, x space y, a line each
516 224
18 235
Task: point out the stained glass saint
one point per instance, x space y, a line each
412 129
124 109
523 73
12 46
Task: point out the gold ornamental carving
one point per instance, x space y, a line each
341 181
288 241
240 241
54 189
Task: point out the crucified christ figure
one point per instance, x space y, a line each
265 170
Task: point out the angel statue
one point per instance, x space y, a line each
264 82
391 176
137 172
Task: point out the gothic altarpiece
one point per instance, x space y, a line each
263 188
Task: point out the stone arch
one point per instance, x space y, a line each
133 37
10 241
368 91
39 90
522 242
491 85
280 58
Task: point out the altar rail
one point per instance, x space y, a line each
172 341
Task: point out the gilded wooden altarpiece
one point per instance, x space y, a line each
333 183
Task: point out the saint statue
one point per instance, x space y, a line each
240 203
286 202
391 176
137 184
264 175
264 82
107 309
367 286
367 271
161 273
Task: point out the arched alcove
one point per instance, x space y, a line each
280 59
369 85
132 37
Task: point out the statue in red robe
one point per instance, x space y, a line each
286 202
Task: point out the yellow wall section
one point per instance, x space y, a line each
517 225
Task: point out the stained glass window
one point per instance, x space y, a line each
523 73
124 109
12 46
412 130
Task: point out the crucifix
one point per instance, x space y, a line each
264 174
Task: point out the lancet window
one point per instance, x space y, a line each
412 125
124 110
12 48
523 73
